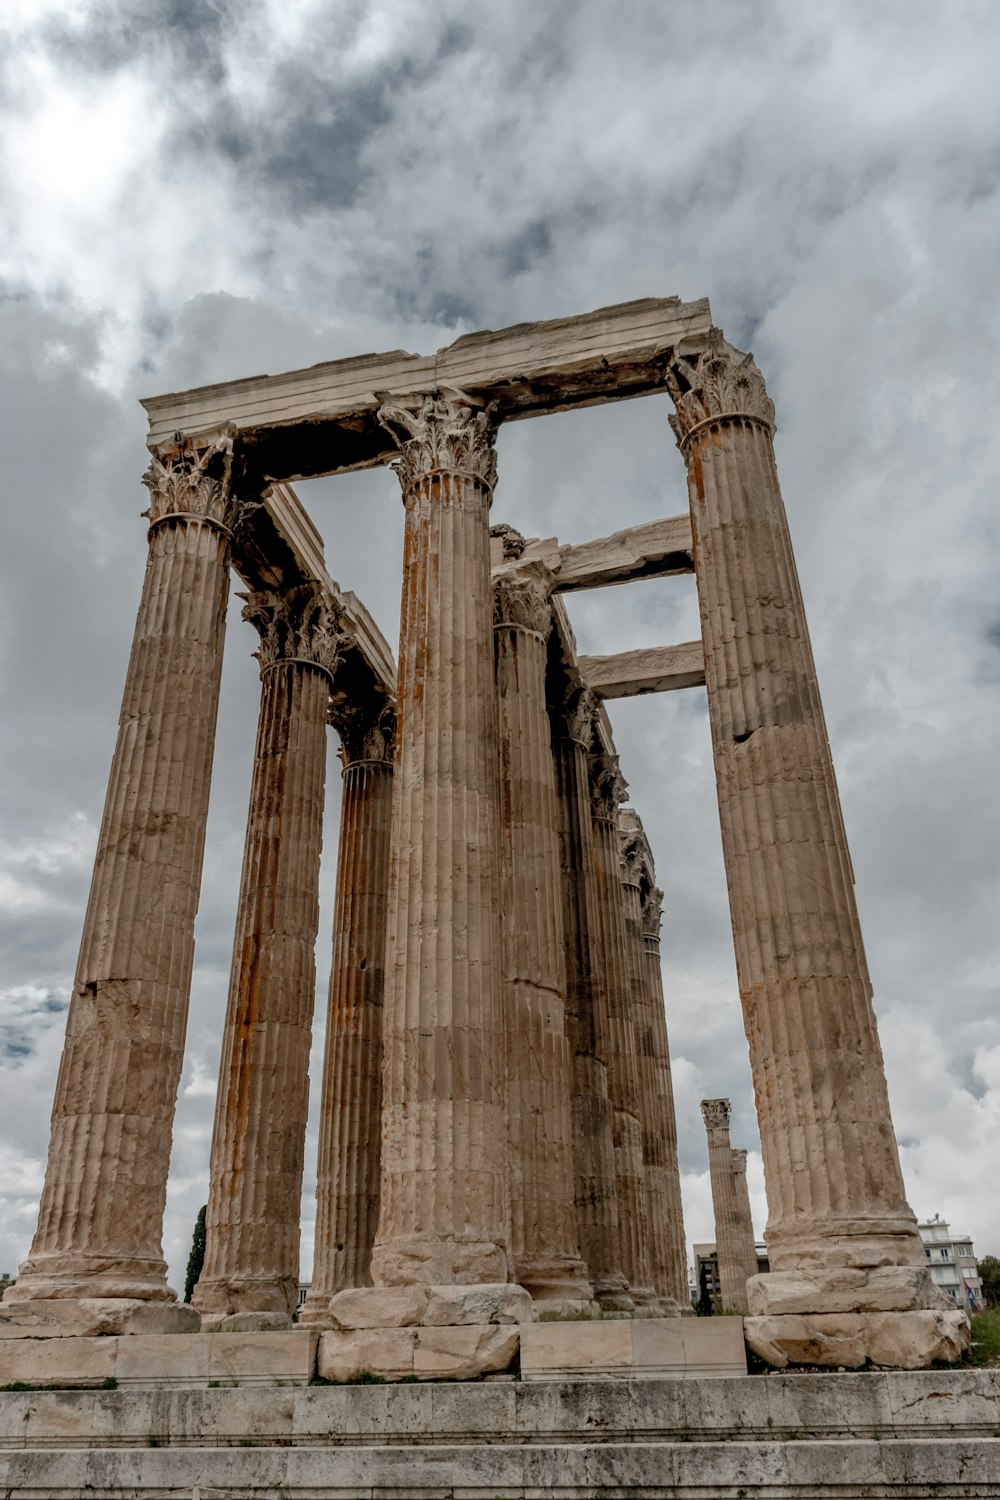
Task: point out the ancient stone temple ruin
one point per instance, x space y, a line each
498 1147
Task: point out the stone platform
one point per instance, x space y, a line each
853 1437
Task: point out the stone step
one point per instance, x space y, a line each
956 1469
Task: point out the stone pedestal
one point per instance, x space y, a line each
544 1236
731 1229
347 1182
609 791
595 1186
251 1270
836 1201
101 1212
445 1208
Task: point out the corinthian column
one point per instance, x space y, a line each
665 1217
544 1236
747 1242
608 791
445 1206
251 1271
595 1184
837 1208
730 1230
101 1212
347 1181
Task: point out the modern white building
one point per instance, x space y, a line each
953 1263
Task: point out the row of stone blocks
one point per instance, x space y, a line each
583 1350
853 1437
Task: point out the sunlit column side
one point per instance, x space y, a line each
544 1234
608 791
347 1181
747 1242
835 1193
729 1247
596 1190
101 1213
251 1265
668 1246
445 1205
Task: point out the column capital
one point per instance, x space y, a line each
367 730
300 625
608 787
630 855
715 1113
188 480
576 714
740 1159
652 913
441 432
522 599
719 384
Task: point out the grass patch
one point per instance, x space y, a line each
986 1337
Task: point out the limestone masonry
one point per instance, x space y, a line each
498 1169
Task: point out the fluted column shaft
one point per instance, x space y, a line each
623 1075
835 1191
543 1221
726 1206
101 1213
445 1208
667 1245
596 1191
258 1141
347 1182
747 1242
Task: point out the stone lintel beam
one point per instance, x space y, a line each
655 549
656 669
279 548
323 420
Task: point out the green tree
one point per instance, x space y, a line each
989 1270
197 1257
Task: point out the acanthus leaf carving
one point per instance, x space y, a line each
652 912
608 787
367 730
715 1113
302 624
188 479
437 432
579 714
720 382
740 1160
522 599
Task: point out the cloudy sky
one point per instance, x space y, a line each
194 190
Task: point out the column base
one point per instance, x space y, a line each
559 1288
80 1276
73 1317
315 1311
257 1305
890 1340
845 1290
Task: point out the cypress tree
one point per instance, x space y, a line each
197 1257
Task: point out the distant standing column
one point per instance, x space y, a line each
101 1213
544 1235
596 1190
347 1182
837 1208
729 1228
251 1269
748 1244
667 1245
445 1213
609 791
